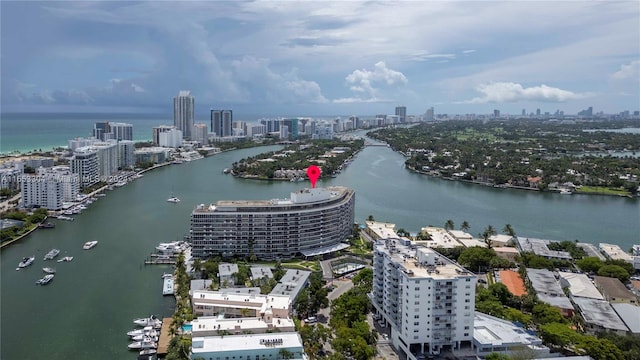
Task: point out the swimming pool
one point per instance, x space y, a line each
187 327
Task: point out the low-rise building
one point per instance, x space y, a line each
548 290
259 272
500 240
540 248
614 290
291 284
491 334
234 305
439 238
630 316
225 272
506 252
614 252
579 285
248 347
214 326
380 230
599 316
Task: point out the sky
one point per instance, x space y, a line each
320 58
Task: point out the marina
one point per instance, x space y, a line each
146 219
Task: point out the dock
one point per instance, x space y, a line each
167 284
165 337
157 261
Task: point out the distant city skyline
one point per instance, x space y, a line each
321 58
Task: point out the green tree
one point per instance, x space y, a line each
590 264
508 229
614 271
465 226
488 232
364 278
476 258
371 218
497 356
544 313
449 225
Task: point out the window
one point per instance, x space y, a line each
416 323
416 303
416 316
466 334
417 288
466 328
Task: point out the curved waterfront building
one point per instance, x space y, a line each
311 222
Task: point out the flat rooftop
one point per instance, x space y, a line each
249 342
421 262
547 288
382 230
233 300
324 250
600 313
227 269
489 330
206 324
580 285
459 234
615 252
291 283
472 242
259 272
540 247
614 288
439 238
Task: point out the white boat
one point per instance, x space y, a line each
65 218
148 352
173 199
49 270
138 345
52 254
66 258
171 247
144 330
89 244
152 336
26 262
45 280
121 183
565 192
150 321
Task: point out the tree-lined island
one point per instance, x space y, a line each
291 162
567 156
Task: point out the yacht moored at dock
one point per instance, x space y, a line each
49 270
150 321
66 258
47 225
167 284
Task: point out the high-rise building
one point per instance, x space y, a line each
172 138
126 154
160 129
222 122
183 112
401 112
50 188
292 125
101 130
312 222
524 112
538 112
429 114
200 134
496 113
121 131
85 164
426 299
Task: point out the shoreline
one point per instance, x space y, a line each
506 186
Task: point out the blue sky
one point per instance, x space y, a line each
320 58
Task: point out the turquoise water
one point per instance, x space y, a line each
187 327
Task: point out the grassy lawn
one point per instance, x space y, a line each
601 190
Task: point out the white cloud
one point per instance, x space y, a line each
363 81
503 92
424 56
271 86
628 71
468 51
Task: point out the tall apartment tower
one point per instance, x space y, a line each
429 114
426 299
401 112
121 131
183 112
222 122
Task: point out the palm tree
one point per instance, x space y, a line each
449 225
465 226
508 229
489 231
286 354
370 218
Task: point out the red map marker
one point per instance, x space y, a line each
313 172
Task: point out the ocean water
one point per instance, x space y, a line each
28 131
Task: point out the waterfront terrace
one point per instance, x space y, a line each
311 222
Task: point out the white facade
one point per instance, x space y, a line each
108 156
75 144
126 154
171 138
85 164
183 112
50 188
427 300
200 133
121 131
